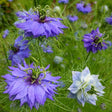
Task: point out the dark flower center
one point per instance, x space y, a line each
84 5
15 49
96 40
42 20
32 80
92 91
35 77
42 16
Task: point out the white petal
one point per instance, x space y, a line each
85 74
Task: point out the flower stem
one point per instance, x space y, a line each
54 1
63 108
5 52
87 57
35 3
39 54
86 60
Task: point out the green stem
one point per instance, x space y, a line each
60 106
87 58
35 60
68 108
37 44
66 22
35 3
54 1
5 52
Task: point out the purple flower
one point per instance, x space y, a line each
81 7
109 20
10 0
19 51
103 106
31 85
61 84
94 41
24 15
6 32
37 25
109 43
72 18
63 1
46 48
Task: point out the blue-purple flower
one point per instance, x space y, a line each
46 48
37 24
72 18
10 0
30 84
109 20
82 7
109 43
24 15
63 1
85 87
19 51
94 41
6 32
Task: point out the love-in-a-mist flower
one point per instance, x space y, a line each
58 59
19 51
38 24
104 8
109 20
46 48
82 7
109 43
72 18
85 87
63 1
57 9
30 84
10 0
84 25
24 15
94 41
6 32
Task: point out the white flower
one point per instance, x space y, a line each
56 9
58 59
85 87
104 8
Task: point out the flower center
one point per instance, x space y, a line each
42 15
35 76
15 49
96 40
34 79
92 91
84 5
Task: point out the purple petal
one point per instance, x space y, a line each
31 95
